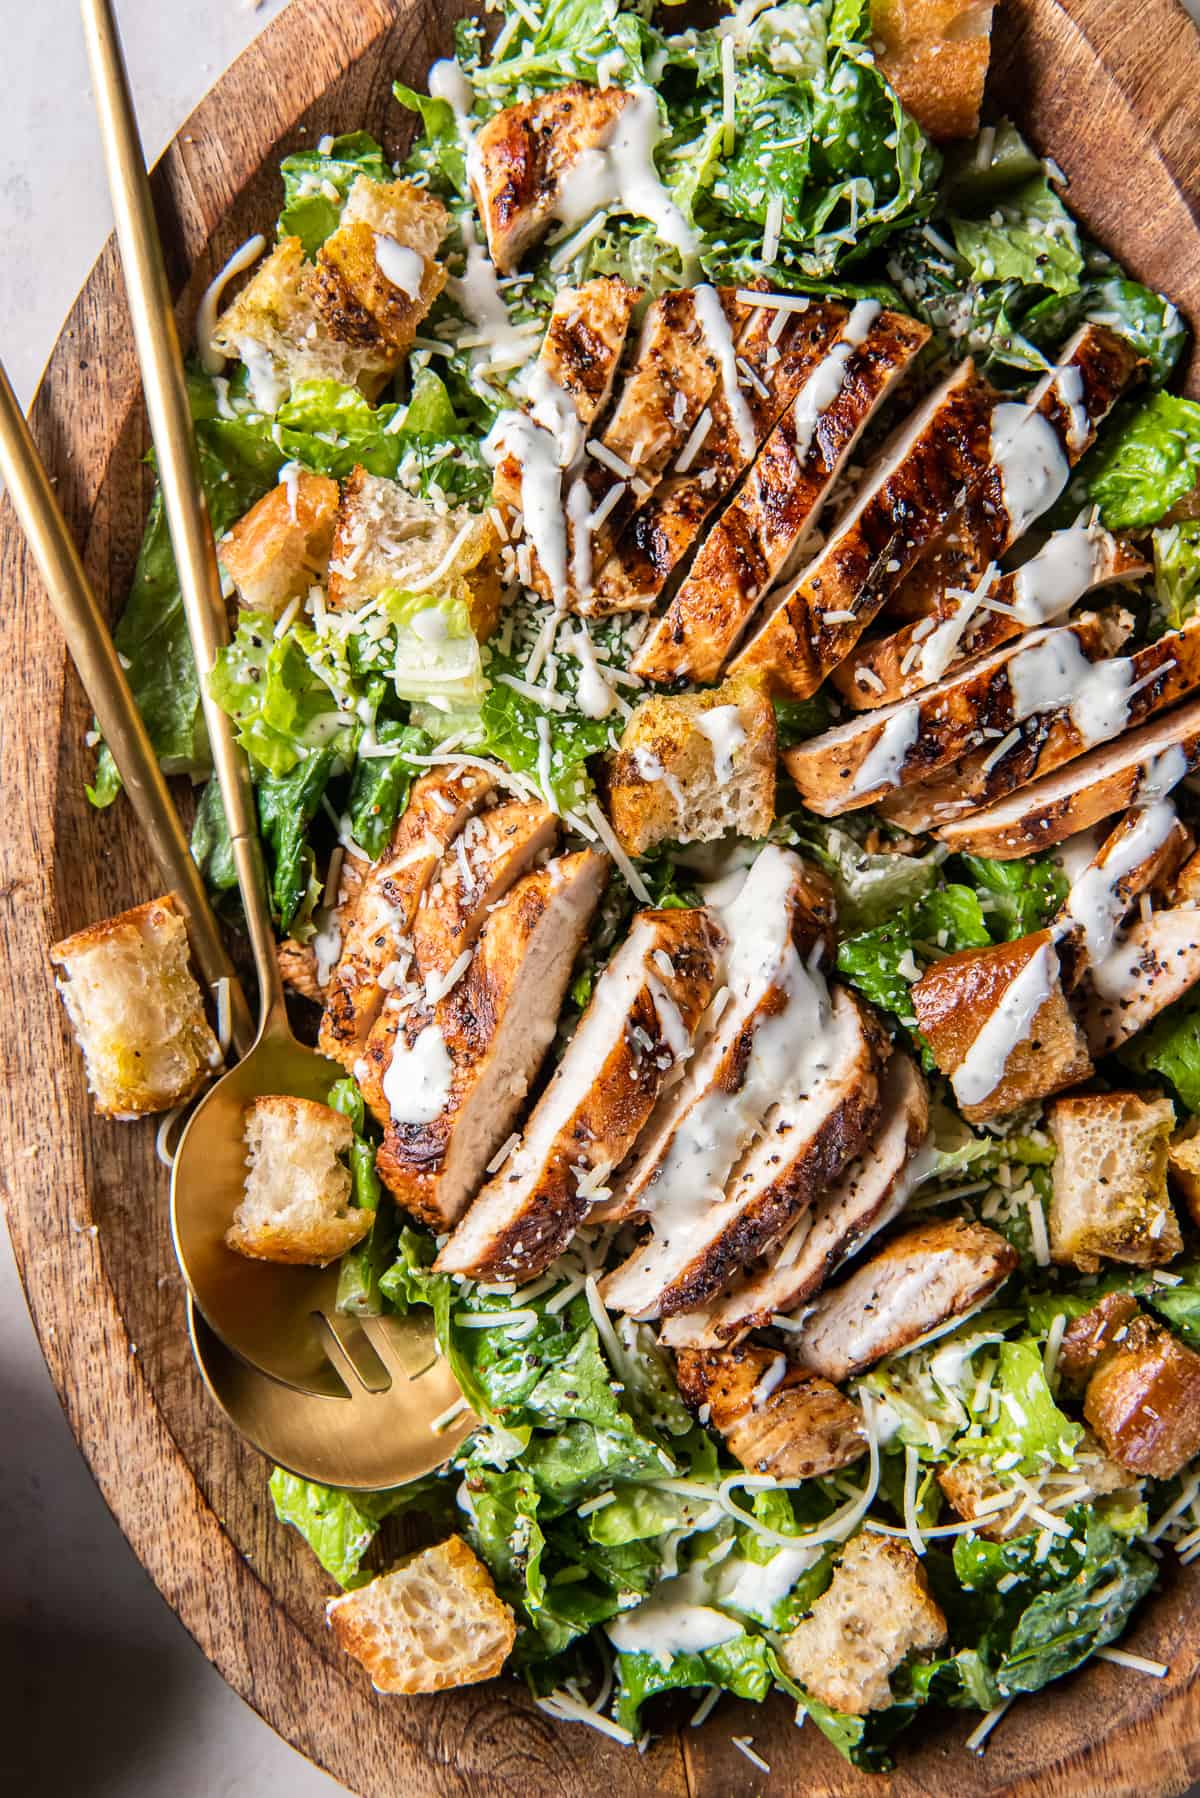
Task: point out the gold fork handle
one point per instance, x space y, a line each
165 386
95 656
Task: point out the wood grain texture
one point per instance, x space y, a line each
1110 89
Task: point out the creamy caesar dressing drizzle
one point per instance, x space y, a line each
403 267
675 1033
723 728
621 177
1068 384
652 770
675 1619
593 695
579 520
825 383
1029 459
884 761
1056 669
1060 573
939 648
1097 902
757 1587
718 335
536 452
418 1082
1161 773
982 1068
268 383
213 358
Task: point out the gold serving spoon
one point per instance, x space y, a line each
281 1320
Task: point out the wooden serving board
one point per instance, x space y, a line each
1111 88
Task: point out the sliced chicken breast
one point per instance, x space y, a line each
828 1054
632 1042
454 1074
942 450
979 618
844 383
866 759
379 918
1070 710
522 157
1143 851
1155 962
922 1279
776 1418
488 856
1140 767
872 1191
770 366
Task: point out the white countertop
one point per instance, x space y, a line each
111 1697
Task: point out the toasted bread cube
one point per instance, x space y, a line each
968 1485
693 767
274 327
960 997
935 54
1089 1339
876 1610
386 539
137 1011
377 275
281 546
1110 1181
434 1622
297 1205
1143 1402
1183 1166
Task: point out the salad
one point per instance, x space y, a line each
716 557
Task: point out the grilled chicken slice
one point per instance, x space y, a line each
776 1418
998 1023
822 1070
771 365
631 1043
779 918
455 1073
782 495
489 855
1156 962
689 335
978 707
1076 710
1142 766
986 614
584 340
871 1192
380 916
1143 1402
904 501
523 156
923 1278
1143 852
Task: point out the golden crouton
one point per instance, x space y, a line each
280 546
876 1610
1183 1166
1110 1181
137 1010
297 1205
693 767
1087 1340
956 998
378 274
1144 1401
935 54
387 539
434 1622
777 1418
971 1484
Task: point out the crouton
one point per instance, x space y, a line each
136 1009
935 54
1087 1340
691 768
281 546
998 1024
434 1622
876 1610
1183 1167
970 1485
378 274
1110 1196
1143 1402
386 539
777 1418
297 1205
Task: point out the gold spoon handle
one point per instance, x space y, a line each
161 363
95 656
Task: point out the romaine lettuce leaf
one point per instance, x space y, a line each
284 712
1017 897
1027 235
310 212
381 785
1138 314
884 962
740 1666
1147 461
1029 1423
361 1269
1170 1047
1177 571
340 1526
287 805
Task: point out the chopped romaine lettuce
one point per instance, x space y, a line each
310 211
1147 462
1177 571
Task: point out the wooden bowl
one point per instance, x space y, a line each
1112 90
